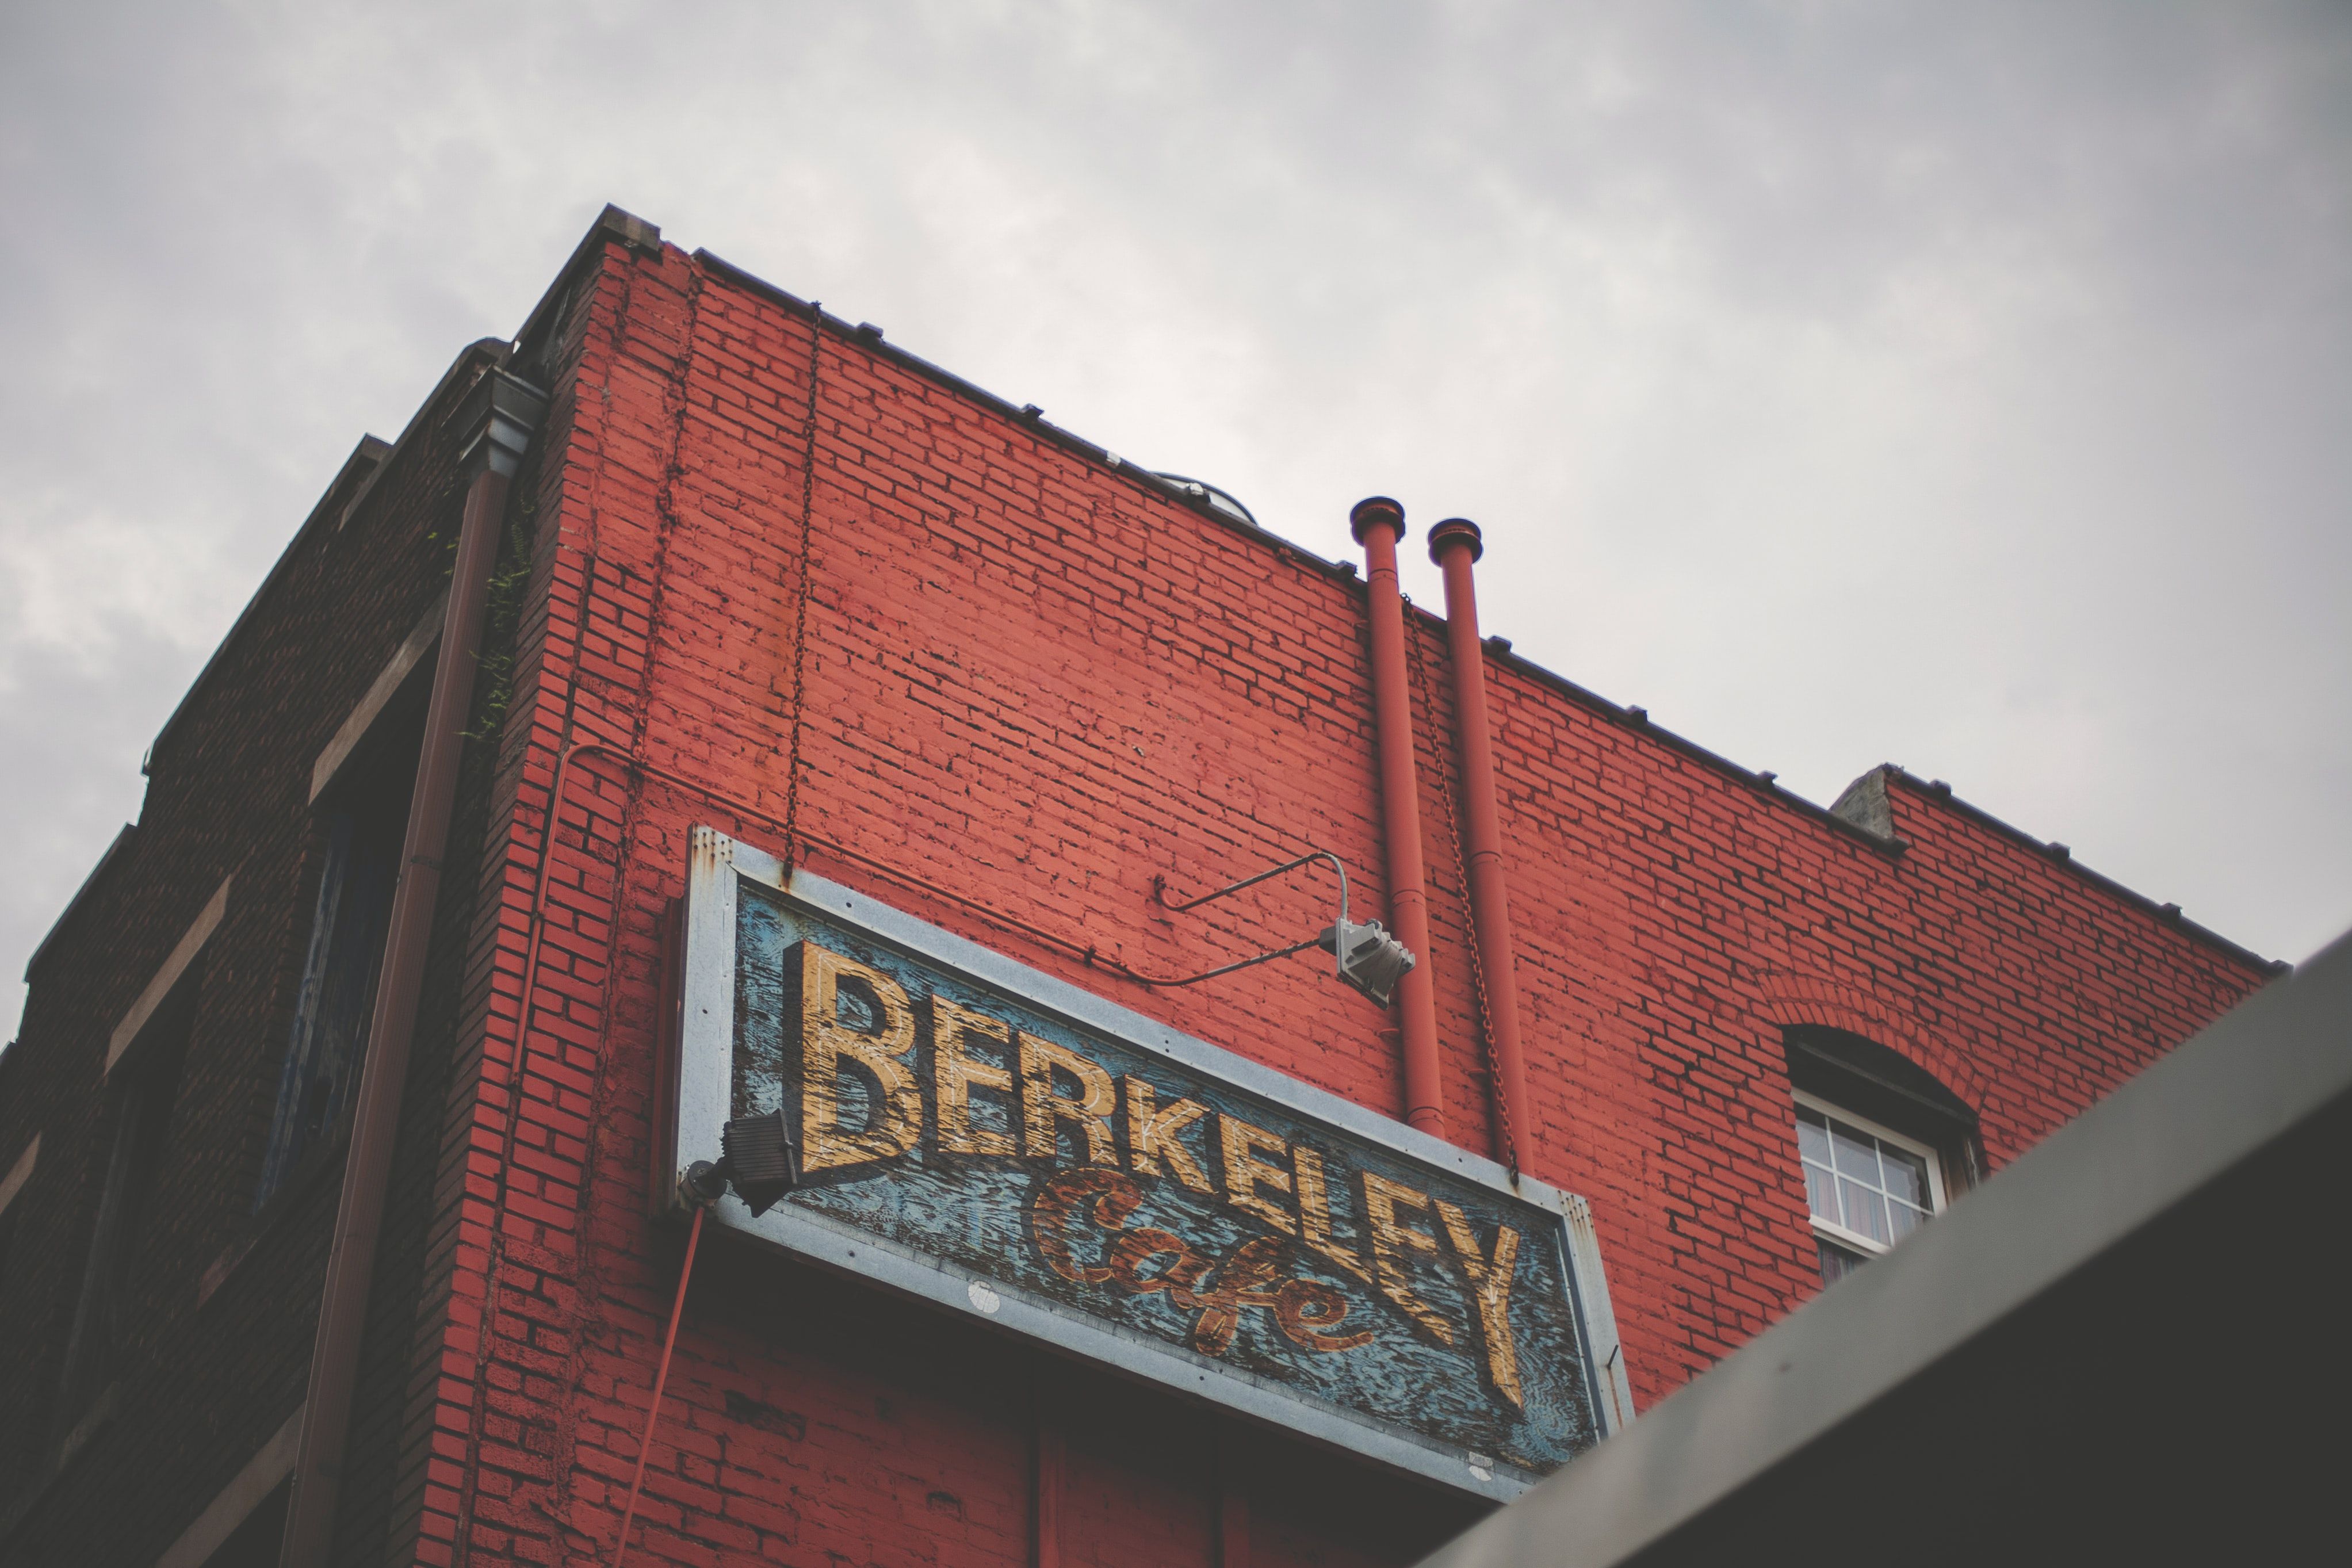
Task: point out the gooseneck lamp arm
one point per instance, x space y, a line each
1159 884
1156 981
1368 959
1160 891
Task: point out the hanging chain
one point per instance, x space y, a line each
1501 1100
800 601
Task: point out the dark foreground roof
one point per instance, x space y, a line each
2131 1346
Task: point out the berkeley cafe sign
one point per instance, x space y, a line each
1004 1144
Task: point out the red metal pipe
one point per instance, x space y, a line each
661 1378
1455 544
1233 1475
1378 523
1046 1476
498 417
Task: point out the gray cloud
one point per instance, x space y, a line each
1958 385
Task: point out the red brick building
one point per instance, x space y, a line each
757 571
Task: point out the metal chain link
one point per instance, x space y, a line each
800 601
1502 1103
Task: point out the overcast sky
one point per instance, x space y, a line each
1966 386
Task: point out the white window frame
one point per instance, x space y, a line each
1853 1241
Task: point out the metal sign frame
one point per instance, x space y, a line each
705 1089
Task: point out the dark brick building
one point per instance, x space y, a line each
760 571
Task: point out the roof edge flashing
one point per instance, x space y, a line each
1938 794
615 223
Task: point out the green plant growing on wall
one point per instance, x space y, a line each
510 577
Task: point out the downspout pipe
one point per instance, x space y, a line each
1454 545
496 421
1377 524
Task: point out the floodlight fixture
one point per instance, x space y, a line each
1368 959
757 1158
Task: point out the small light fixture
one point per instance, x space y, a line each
1369 960
756 1158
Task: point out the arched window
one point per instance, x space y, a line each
1884 1147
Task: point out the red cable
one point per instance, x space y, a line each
653 1412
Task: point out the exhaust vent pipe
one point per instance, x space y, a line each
1378 523
1455 544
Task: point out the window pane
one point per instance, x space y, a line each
1865 1212
337 996
1906 1218
102 1324
1821 1194
1812 1136
1857 1152
1836 1261
1906 1175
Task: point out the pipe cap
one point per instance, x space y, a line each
1374 510
1452 532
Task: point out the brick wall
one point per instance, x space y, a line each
1037 681
223 1299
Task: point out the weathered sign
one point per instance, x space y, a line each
996 1140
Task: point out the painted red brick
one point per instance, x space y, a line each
1038 684
1037 681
